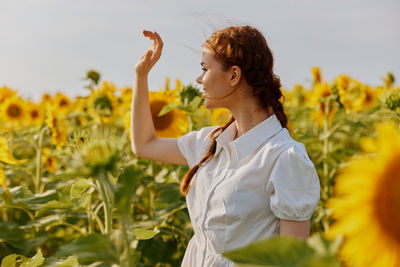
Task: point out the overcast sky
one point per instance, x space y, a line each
48 45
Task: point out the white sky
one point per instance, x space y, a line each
48 45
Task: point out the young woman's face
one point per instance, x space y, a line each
215 81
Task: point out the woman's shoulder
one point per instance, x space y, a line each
283 142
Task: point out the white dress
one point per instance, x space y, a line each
240 194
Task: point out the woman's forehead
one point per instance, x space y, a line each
207 56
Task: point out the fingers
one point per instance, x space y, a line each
148 54
148 34
158 39
154 36
157 45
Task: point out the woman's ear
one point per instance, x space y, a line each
236 75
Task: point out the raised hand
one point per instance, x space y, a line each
147 61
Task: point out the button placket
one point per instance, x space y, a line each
205 203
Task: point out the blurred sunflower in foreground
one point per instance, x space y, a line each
367 202
173 124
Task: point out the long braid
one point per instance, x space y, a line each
211 151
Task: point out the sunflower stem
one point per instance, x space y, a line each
124 225
38 175
90 218
190 122
107 208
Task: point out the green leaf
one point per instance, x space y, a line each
167 108
61 204
127 184
12 234
195 103
35 261
37 201
323 246
51 220
143 234
90 248
71 261
79 188
9 261
276 251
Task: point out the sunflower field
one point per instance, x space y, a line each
72 192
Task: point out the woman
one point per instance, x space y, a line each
249 179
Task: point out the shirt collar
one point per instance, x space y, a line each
251 139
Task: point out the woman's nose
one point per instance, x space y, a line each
199 79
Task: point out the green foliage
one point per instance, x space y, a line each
91 248
283 251
190 99
106 206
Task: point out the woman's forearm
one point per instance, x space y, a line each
298 229
142 127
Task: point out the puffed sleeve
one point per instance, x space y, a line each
294 186
194 143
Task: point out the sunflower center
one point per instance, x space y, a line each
103 105
326 93
14 111
368 98
34 114
63 102
163 122
387 200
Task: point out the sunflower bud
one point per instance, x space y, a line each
392 101
100 153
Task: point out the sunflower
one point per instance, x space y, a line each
367 202
351 93
296 97
126 118
6 92
126 95
316 74
46 101
103 104
5 155
220 116
59 129
3 181
49 161
369 96
318 100
342 82
319 113
174 123
108 87
63 103
35 114
13 110
172 92
80 108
